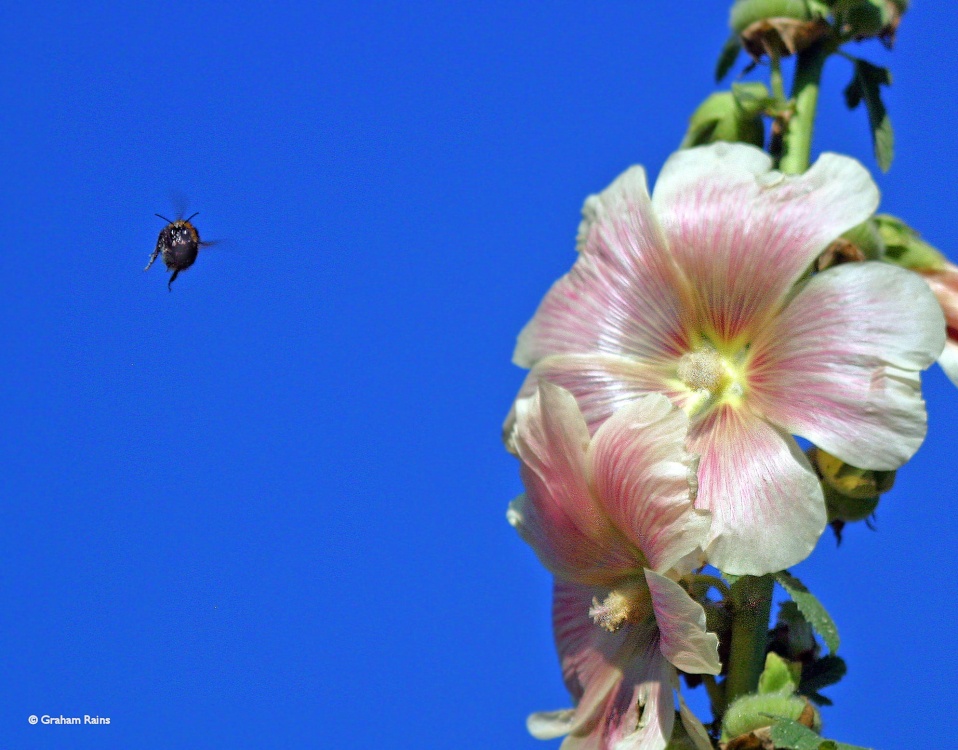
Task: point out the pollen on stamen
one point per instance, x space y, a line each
611 613
701 370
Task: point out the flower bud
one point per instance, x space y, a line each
778 27
733 116
746 12
752 712
904 246
863 19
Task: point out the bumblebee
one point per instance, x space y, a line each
179 243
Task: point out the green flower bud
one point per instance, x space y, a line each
861 18
751 712
904 246
867 238
746 12
733 116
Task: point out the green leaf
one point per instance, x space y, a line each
728 56
811 609
866 87
790 735
730 577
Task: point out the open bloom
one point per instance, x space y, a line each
610 516
944 283
702 293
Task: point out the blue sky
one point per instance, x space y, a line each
267 509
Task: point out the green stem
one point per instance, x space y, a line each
775 78
752 602
798 136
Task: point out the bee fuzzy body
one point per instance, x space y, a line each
179 243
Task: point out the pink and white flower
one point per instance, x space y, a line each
944 283
612 516
702 292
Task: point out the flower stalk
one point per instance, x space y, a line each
752 603
796 154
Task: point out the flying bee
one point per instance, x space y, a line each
179 242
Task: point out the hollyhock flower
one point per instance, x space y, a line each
944 283
612 516
702 293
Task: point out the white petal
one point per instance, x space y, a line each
840 365
682 634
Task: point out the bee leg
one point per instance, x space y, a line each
172 279
153 257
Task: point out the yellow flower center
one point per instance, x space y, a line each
630 603
712 376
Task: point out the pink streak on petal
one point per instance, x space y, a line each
641 474
744 235
609 675
944 283
603 383
766 502
682 634
840 365
623 296
558 515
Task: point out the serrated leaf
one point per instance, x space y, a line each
866 87
727 57
811 609
790 735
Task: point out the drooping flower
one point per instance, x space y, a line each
702 292
944 283
613 518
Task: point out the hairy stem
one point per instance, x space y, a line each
752 602
797 149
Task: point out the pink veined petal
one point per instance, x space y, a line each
620 682
766 501
601 384
623 295
743 234
840 365
558 515
682 635
643 479
944 284
949 360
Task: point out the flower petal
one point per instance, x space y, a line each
643 479
622 296
558 515
601 383
682 635
949 360
840 366
944 283
744 234
766 501
620 682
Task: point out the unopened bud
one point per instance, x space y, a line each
733 116
904 246
778 27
